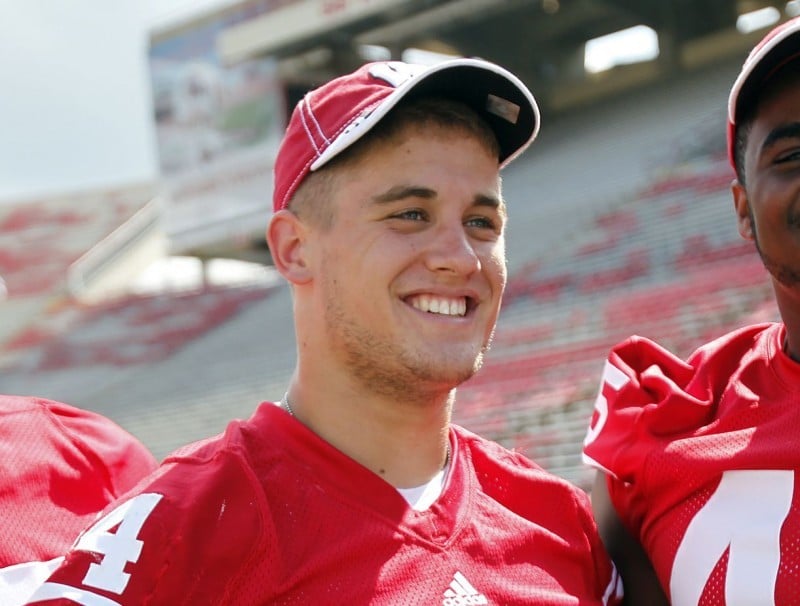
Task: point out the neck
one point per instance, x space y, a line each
792 348
789 308
405 443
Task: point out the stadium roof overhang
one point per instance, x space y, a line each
542 41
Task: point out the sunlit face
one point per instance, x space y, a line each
410 275
768 205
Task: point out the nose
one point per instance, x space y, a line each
452 250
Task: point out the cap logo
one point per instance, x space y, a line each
356 124
394 73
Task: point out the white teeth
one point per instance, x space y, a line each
440 305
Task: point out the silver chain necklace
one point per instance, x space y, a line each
285 404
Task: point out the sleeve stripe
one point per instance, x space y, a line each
614 591
590 462
19 581
55 591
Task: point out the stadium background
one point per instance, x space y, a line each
621 218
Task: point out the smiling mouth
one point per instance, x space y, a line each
445 306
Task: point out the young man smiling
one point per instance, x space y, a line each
356 488
699 460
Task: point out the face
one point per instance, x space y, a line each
409 277
768 206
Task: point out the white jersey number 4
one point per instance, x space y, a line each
744 515
115 537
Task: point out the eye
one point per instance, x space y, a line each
483 222
791 155
786 149
411 214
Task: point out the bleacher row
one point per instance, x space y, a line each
667 263
124 332
39 239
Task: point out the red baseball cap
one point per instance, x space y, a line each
329 119
778 47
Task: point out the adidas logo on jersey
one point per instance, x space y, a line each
462 593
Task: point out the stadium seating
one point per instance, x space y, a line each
128 331
39 239
616 227
666 262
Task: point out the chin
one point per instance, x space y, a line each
456 374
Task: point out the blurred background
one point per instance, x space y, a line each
135 187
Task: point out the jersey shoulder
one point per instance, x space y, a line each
61 465
648 396
184 536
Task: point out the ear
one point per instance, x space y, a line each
742 206
287 238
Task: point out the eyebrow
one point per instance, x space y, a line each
784 131
400 192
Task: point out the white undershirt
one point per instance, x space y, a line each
422 497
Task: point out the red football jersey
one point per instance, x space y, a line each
703 458
59 467
269 513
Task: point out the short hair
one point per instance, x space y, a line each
787 73
310 201
741 135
